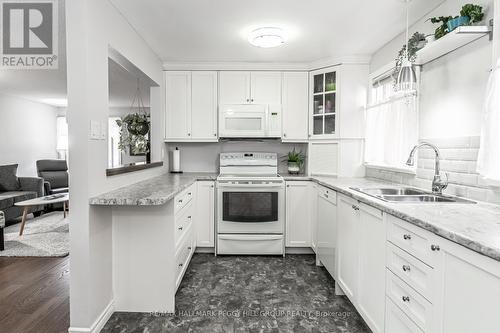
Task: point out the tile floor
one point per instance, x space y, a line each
250 294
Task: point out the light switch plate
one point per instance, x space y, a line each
95 130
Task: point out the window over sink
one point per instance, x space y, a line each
391 125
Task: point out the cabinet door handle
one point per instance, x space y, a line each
215 134
189 216
355 207
435 247
248 100
189 248
406 298
189 134
189 193
251 100
406 268
181 264
326 196
284 135
407 236
180 228
180 200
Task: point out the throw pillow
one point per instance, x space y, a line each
8 178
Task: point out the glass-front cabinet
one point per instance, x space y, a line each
324 103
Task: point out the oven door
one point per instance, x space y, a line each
250 209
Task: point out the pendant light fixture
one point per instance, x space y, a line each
406 81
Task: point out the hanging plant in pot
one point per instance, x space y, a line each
295 161
134 133
134 129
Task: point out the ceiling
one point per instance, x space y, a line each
216 31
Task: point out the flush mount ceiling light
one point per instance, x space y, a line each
267 37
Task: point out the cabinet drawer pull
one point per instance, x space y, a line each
435 247
251 100
406 298
180 228
406 268
215 134
407 236
180 200
189 193
189 248
181 264
326 196
355 207
189 216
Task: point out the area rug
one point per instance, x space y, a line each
44 236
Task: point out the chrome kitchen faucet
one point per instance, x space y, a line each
438 184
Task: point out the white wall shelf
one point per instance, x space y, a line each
459 37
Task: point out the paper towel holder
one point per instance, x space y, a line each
175 165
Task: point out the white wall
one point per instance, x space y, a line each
451 98
204 157
28 133
92 27
453 86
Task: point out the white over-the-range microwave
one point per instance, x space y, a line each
250 121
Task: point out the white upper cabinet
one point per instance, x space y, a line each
295 99
250 88
204 106
177 105
234 87
337 101
265 88
191 106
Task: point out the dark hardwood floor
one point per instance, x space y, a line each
34 295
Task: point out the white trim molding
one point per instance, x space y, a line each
266 66
99 323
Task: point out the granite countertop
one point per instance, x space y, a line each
474 226
150 192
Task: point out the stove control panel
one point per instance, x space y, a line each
248 158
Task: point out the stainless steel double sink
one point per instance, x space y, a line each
409 195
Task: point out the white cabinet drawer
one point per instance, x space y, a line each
411 270
183 198
183 255
396 321
414 240
182 222
410 301
327 194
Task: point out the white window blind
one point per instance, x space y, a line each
391 126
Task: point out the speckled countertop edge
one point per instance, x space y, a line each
154 191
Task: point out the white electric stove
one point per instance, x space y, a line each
250 204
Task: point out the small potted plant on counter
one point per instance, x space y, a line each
295 161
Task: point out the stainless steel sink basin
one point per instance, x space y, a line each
409 195
390 191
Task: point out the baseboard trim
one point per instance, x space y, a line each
299 250
98 323
205 250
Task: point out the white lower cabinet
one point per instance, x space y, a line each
205 214
371 293
437 286
347 245
469 290
327 228
361 259
298 217
313 201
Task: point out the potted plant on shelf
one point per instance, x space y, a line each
295 161
443 27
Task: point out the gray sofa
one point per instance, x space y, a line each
15 189
56 179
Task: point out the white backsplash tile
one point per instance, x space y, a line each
458 160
